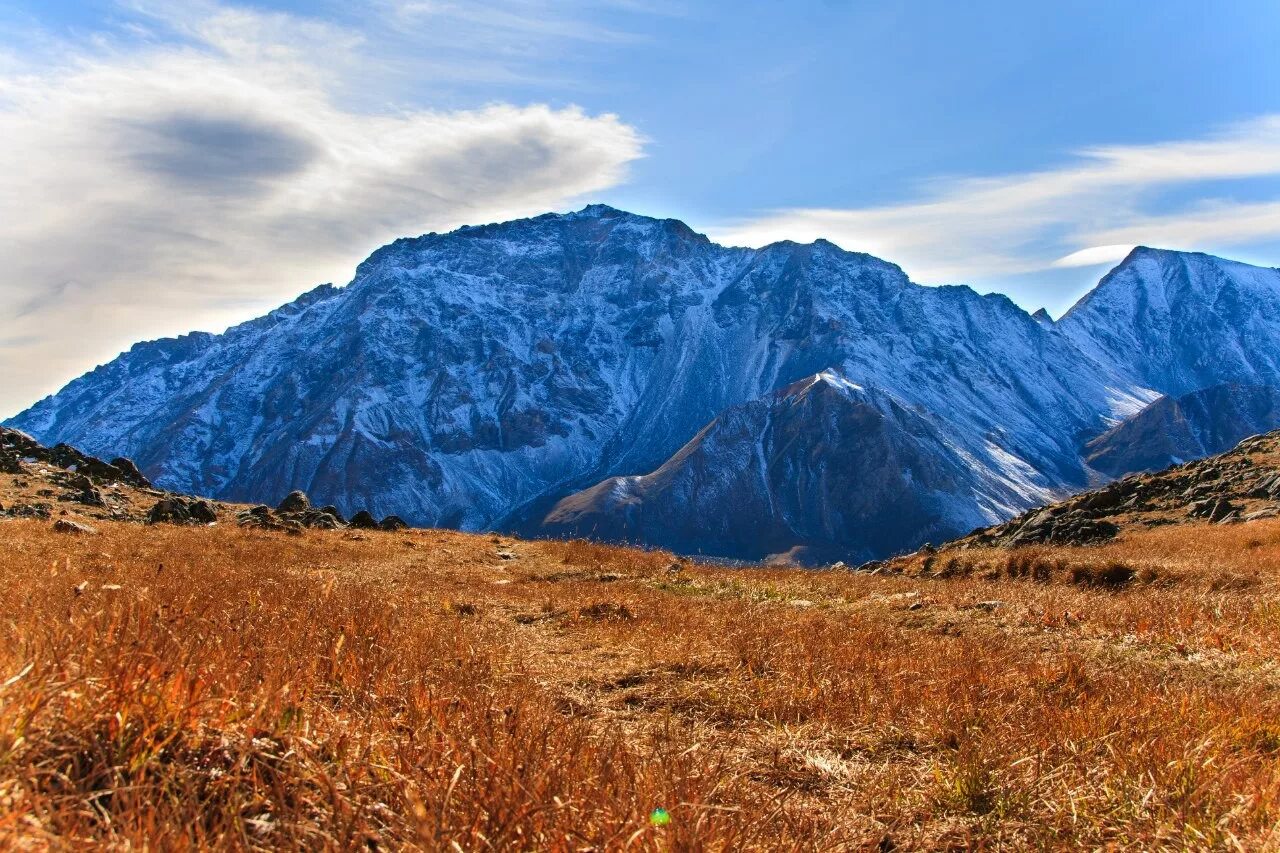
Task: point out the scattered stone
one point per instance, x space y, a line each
66 525
37 510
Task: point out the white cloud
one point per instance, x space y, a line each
1078 214
1095 255
182 184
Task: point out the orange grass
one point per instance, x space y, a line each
174 688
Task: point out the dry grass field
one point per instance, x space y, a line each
170 688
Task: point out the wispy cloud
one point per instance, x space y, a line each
1090 210
217 165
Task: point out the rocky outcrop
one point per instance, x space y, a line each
176 509
296 513
18 451
1240 485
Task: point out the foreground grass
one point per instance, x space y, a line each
178 688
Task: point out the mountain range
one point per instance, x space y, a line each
604 374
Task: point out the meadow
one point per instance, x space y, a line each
182 687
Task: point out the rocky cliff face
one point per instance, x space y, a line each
473 379
1173 430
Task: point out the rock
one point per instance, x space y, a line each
38 510
1269 512
393 523
66 525
1214 509
295 501
10 463
363 520
202 511
316 519
1103 500
259 516
169 511
130 473
333 512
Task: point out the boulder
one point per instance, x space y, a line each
169 511
259 516
295 501
76 528
202 511
1213 509
392 523
129 472
363 520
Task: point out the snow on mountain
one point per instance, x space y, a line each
821 470
475 378
1182 321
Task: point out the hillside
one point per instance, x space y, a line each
193 685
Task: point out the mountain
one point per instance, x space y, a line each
1173 430
1182 321
477 378
820 470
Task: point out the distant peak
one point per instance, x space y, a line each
1042 316
602 210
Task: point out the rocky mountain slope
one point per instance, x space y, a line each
818 471
1240 485
474 379
1178 429
76 490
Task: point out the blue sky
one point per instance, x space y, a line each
185 164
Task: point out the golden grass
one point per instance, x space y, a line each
178 687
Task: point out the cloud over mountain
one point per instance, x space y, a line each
221 161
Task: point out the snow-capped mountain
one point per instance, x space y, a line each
818 471
1182 321
477 378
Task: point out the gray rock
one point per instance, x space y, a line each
295 501
66 525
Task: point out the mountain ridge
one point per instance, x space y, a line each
473 379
